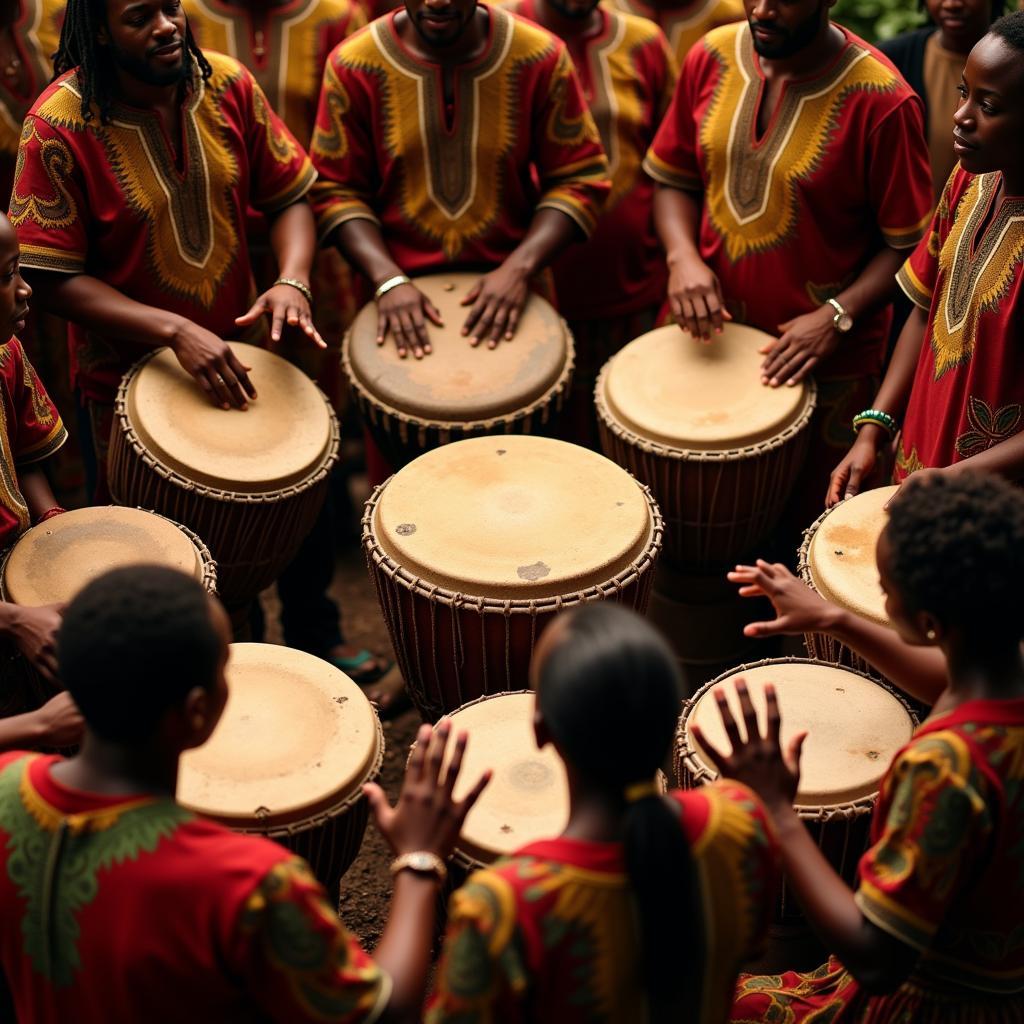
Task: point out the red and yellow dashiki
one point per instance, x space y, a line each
136 909
945 875
112 202
30 430
686 23
455 186
968 389
549 935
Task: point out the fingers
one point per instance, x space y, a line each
432 313
214 384
473 323
454 764
773 720
718 760
309 329
474 293
379 806
418 755
241 372
794 751
435 756
46 666
254 313
750 722
732 730
854 481
837 486
466 804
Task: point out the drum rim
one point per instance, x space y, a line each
553 395
207 579
686 754
377 557
623 433
124 426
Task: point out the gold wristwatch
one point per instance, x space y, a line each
842 321
423 863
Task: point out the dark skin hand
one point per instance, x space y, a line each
877 961
58 723
34 632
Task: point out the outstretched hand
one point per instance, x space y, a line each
798 609
427 817
283 304
757 759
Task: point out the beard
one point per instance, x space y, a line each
790 41
456 29
146 72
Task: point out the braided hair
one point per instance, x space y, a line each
80 49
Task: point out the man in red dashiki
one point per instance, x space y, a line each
454 134
795 172
549 934
611 287
686 23
138 240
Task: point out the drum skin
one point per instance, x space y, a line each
254 533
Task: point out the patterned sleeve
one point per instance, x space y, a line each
297 959
343 150
38 430
672 159
927 842
666 76
47 206
570 160
899 175
482 975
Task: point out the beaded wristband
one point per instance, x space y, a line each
50 513
385 286
298 286
879 418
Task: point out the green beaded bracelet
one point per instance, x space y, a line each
879 418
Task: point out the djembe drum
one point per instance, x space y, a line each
837 560
719 450
289 758
51 562
413 405
475 546
855 725
251 483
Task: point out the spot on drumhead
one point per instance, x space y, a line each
502 451
449 286
405 529
619 504
534 572
531 773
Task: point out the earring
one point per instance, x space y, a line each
930 634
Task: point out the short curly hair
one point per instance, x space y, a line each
1010 28
957 551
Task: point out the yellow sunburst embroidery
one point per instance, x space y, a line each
58 208
908 462
333 141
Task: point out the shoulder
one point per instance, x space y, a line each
487 903
725 816
60 104
228 73
960 184
14 757
940 752
880 80
722 40
637 32
523 40
363 48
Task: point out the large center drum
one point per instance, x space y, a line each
289 758
413 405
51 562
837 559
475 546
250 483
719 450
855 725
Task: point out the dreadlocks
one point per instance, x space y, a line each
79 48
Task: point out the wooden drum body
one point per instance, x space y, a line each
855 726
250 483
51 562
837 560
414 405
719 450
289 758
475 546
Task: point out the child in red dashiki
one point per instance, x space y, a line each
956 378
932 934
645 907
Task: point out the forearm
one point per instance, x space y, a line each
677 221
550 232
875 286
362 243
37 492
20 731
293 240
1005 459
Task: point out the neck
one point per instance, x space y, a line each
113 770
594 814
813 57
467 46
984 669
563 27
136 93
1013 182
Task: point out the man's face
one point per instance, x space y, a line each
440 23
783 28
574 10
146 39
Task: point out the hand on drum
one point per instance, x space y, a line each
284 304
60 723
218 371
757 760
857 465
804 342
497 299
34 631
403 312
798 609
695 299
427 817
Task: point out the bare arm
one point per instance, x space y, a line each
37 492
1005 458
58 723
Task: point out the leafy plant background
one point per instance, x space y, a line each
875 20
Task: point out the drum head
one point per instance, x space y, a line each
515 517
675 391
280 440
458 383
528 797
841 554
297 737
54 560
854 725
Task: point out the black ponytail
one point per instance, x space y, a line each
609 692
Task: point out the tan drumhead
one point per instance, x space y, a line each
854 724
53 561
297 737
515 517
678 392
458 383
841 555
278 441
527 798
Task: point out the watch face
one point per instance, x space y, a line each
844 322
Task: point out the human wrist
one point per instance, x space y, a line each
683 255
421 863
172 328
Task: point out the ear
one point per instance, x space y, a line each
929 628
197 721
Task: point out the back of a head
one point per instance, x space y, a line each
957 551
1010 28
132 644
609 692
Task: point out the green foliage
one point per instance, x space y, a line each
875 20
